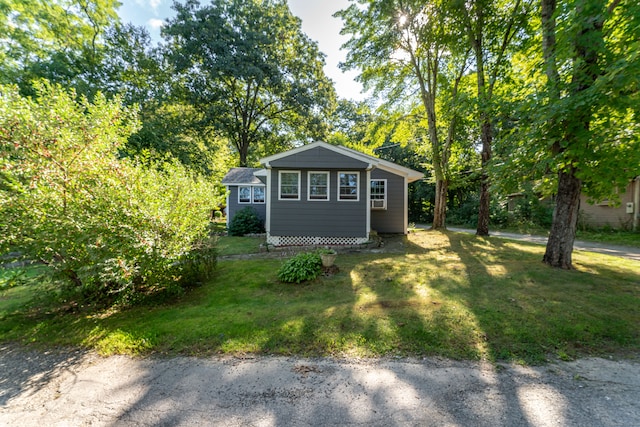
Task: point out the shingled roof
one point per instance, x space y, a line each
241 176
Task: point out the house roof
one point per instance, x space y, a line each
242 176
410 174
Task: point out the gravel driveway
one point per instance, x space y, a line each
83 389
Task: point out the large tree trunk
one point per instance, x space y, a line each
440 209
565 220
588 40
485 197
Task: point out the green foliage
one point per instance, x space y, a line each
302 267
251 71
108 228
246 221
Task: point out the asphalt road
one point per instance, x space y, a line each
78 389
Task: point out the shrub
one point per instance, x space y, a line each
107 228
301 268
245 221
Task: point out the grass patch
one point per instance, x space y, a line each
614 237
231 245
450 294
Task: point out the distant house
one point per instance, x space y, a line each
625 215
323 194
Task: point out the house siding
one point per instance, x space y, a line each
601 215
318 159
391 220
331 218
233 206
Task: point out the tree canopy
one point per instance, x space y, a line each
251 71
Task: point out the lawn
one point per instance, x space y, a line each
447 294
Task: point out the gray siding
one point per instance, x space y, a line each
330 218
318 159
234 206
392 219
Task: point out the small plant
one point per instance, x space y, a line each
246 221
326 251
301 268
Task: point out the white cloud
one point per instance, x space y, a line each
155 23
152 3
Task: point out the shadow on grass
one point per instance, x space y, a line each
528 311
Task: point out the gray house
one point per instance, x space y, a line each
323 194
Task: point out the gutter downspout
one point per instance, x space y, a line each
368 184
636 203
267 199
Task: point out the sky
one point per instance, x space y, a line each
317 22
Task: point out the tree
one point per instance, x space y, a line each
107 227
251 71
490 27
403 48
59 40
589 120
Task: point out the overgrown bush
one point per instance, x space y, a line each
107 228
246 221
303 267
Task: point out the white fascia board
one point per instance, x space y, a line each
396 169
261 172
243 184
335 148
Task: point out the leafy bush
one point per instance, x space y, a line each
245 221
301 268
107 227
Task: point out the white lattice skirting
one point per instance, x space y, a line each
312 241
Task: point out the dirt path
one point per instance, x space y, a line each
78 389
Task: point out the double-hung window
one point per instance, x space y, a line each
348 185
379 194
289 188
244 194
258 194
318 186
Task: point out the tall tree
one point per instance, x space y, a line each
59 40
252 72
590 118
490 27
404 47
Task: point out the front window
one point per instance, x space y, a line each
244 194
258 194
318 186
378 194
348 187
289 185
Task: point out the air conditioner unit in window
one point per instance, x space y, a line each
378 204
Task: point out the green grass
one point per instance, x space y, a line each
450 295
228 245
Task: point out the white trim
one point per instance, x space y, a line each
406 206
368 204
226 220
357 173
280 172
250 195
328 174
267 198
384 201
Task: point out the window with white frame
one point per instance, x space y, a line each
258 194
318 186
348 185
379 194
244 194
289 185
